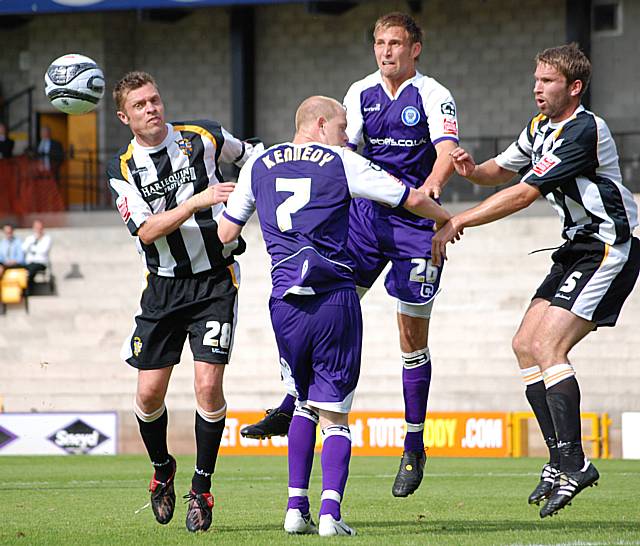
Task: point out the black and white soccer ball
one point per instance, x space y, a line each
74 84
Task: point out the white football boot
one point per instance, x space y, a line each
297 523
329 527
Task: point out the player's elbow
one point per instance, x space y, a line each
145 235
524 195
414 199
227 232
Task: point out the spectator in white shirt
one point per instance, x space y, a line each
36 249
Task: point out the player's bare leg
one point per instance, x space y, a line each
558 332
416 379
151 415
537 395
209 426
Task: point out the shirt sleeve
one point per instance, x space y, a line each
368 180
237 151
354 116
242 203
569 158
517 157
441 112
132 207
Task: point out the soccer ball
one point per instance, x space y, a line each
74 84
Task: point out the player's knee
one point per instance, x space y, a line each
209 391
522 347
148 408
544 352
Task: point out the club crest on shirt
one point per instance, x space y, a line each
410 116
185 146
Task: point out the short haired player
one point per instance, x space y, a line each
168 189
567 154
407 123
302 191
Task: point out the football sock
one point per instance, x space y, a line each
288 404
336 453
563 397
302 440
209 429
416 378
537 396
153 429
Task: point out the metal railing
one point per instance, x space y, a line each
13 103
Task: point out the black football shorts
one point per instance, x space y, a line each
204 307
592 279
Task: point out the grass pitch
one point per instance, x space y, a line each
98 500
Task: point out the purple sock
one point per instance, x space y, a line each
415 388
302 439
288 404
336 453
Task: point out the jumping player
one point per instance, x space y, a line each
302 191
168 189
567 154
408 124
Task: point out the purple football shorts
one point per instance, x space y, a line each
319 339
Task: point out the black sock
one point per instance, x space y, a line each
208 438
537 396
564 402
154 436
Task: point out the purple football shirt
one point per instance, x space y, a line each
302 195
400 133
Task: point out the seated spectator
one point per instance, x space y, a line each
6 144
11 253
36 249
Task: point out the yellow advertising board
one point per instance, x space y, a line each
450 434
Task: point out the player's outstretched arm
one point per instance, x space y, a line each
161 224
488 173
442 169
422 205
497 206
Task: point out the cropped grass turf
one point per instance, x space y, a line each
98 500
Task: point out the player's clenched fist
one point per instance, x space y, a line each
463 162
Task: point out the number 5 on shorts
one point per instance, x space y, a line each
570 283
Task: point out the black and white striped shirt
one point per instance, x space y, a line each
146 181
574 164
